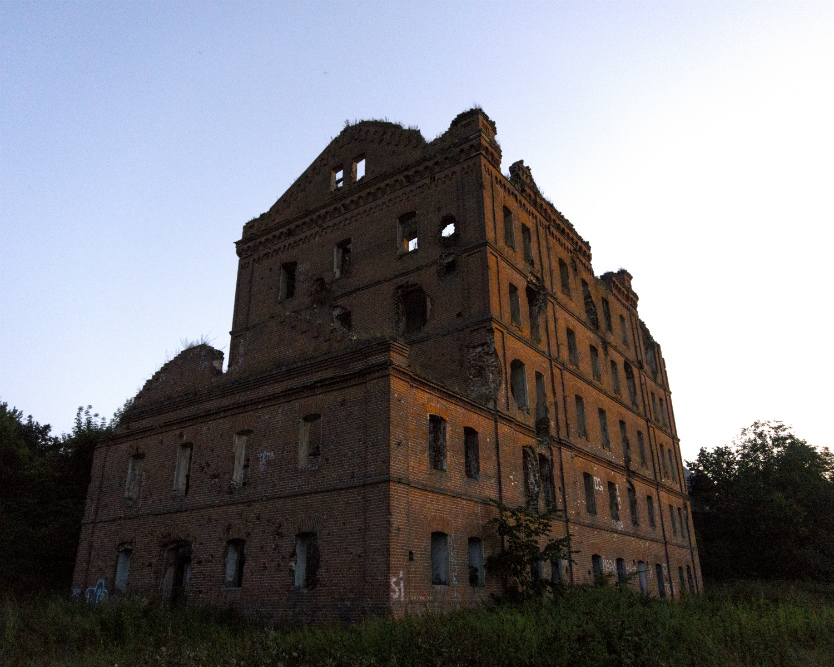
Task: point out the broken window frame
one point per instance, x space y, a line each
337 178
615 378
408 233
533 313
632 504
547 482
240 469
309 440
437 443
357 165
626 444
590 305
606 315
631 384
530 467
542 412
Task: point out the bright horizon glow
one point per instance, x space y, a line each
689 143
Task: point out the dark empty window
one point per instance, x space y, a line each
606 315
654 406
527 244
309 441
509 232
123 568
564 276
603 429
597 373
440 559
556 573
632 505
650 510
625 443
682 522
661 587
234 563
641 445
341 259
624 329
632 385
343 318
182 474
533 313
581 425
590 306
414 309
613 501
476 562
596 568
471 453
547 484
286 288
622 575
590 498
515 306
673 465
663 461
307 560
641 577
518 383
542 418
531 476
437 442
672 519
615 377
683 582
573 351
662 408
689 579
407 232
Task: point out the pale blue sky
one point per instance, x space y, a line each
690 143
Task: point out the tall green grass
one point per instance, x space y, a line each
745 623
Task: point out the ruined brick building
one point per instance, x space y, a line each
414 334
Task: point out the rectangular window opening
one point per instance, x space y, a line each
309 441
606 314
603 429
650 510
123 569
286 289
307 560
509 231
439 559
241 460
342 259
476 562
527 243
613 501
590 498
182 473
515 306
437 442
595 369
135 470
542 417
471 453
581 425
615 377
337 178
407 232
234 563
573 351
358 170
564 277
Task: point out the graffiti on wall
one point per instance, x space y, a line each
398 587
263 457
97 593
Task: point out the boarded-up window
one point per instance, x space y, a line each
123 568
234 563
182 472
531 476
440 559
286 289
472 454
632 504
581 424
509 231
613 501
605 439
650 511
590 498
135 470
615 377
515 306
307 560
476 562
595 370
437 442
564 276
518 383
573 351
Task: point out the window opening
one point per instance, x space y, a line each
309 441
343 318
662 411
683 582
440 559
581 426
625 443
632 504
632 386
556 573
342 258
536 570
531 476
590 499
615 377
573 352
358 170
622 575
123 569
673 465
606 315
564 277
689 579
240 472
654 406
663 461
135 468
547 482
672 519
307 560
590 306
613 501
407 232
641 577
518 384
286 288
527 244
476 562
177 572
509 232
542 418
595 363
414 309
624 330
596 567
515 306
437 442
641 445
533 313
603 429
682 522
337 178
650 509
234 563
661 588
448 228
182 472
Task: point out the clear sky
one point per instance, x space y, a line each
689 142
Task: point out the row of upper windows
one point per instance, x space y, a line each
668 470
642 579
680 523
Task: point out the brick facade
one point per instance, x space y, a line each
400 339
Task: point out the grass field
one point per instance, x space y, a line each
743 623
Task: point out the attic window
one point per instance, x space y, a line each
358 171
337 178
407 232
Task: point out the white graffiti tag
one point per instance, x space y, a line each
398 587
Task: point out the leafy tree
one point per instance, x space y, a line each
764 507
43 488
522 529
